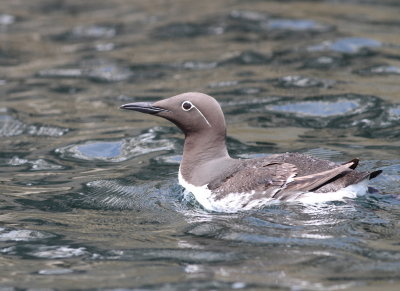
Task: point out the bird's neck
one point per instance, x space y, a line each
202 149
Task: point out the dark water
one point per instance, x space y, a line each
89 195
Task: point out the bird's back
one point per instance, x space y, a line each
286 175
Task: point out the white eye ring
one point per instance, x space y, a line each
187 105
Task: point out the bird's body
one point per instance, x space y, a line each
221 183
253 183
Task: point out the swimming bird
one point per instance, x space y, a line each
224 184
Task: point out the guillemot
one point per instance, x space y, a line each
224 184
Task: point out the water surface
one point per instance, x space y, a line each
89 194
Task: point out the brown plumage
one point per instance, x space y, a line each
206 162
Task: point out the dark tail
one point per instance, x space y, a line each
355 163
374 174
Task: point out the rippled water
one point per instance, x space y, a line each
89 194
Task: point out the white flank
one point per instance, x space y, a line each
235 202
231 203
351 191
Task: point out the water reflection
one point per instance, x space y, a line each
349 45
317 108
380 70
10 126
117 151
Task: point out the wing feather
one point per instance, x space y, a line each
263 181
313 181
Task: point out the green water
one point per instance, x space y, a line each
89 198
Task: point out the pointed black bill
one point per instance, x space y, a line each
143 107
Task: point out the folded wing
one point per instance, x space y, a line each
274 180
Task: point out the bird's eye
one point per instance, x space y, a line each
186 106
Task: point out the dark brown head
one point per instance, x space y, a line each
192 112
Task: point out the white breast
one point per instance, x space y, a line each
202 193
